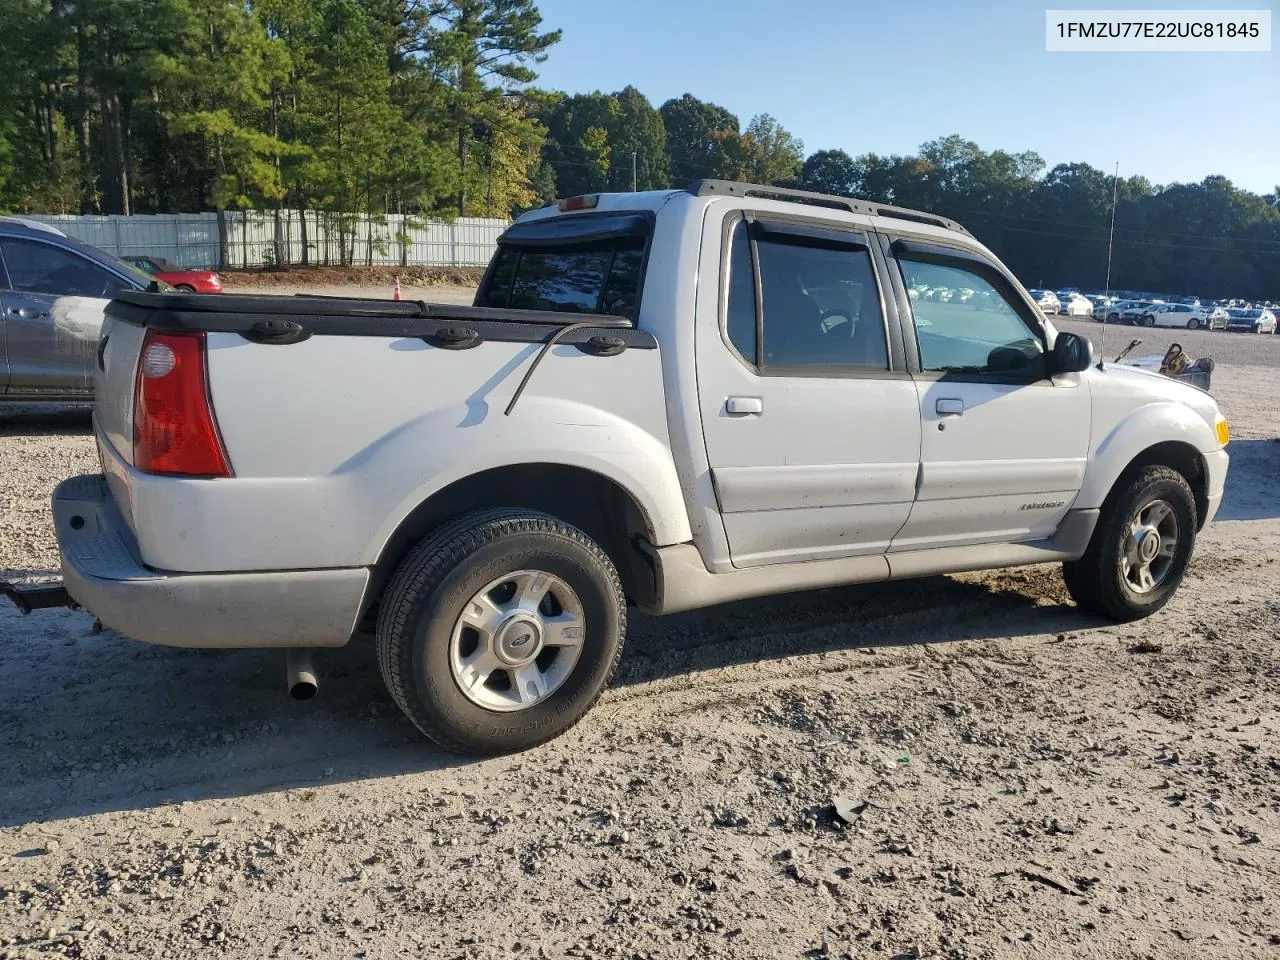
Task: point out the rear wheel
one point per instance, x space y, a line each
1193 324
1140 548
500 631
185 287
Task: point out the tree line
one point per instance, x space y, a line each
430 108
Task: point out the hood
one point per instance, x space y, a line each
1139 384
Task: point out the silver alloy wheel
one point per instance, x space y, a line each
517 640
1150 547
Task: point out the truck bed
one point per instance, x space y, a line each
339 416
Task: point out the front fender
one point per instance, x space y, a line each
1160 422
540 430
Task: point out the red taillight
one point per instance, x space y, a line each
174 432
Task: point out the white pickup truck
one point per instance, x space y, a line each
668 399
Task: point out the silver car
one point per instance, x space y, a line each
53 289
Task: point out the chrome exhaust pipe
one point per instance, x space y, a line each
301 674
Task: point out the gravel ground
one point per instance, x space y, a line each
1016 780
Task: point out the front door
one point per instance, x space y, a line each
52 315
812 431
1003 445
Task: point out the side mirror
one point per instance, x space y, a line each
1071 353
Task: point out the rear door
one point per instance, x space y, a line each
811 421
1003 446
53 313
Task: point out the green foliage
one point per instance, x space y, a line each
701 138
1208 238
426 108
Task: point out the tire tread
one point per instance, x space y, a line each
421 572
1091 580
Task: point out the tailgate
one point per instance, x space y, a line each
118 348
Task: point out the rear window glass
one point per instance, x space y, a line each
576 275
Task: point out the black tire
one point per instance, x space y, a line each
1096 581
1193 324
440 576
185 288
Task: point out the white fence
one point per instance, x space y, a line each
256 238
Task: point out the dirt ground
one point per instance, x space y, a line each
1017 779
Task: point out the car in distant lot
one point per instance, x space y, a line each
1174 315
1101 305
53 290
1115 310
1216 318
1134 311
1077 306
182 278
1047 300
1251 321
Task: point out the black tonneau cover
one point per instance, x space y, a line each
279 319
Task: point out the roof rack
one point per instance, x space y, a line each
32 224
704 188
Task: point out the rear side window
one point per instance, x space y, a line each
821 305
570 265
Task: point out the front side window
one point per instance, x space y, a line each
821 305
978 331
42 268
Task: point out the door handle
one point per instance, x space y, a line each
26 313
744 405
949 407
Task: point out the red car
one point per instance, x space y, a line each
181 278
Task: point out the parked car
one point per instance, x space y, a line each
1047 300
180 278
1134 311
1078 306
53 289
1216 318
1101 305
1116 309
1251 321
654 409
1174 315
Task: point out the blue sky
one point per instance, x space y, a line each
866 75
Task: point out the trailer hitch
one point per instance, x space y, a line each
36 596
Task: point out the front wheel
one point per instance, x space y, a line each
500 631
1193 324
1140 548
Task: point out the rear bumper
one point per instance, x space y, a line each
278 608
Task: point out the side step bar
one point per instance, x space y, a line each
36 596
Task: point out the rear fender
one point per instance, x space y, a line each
540 430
